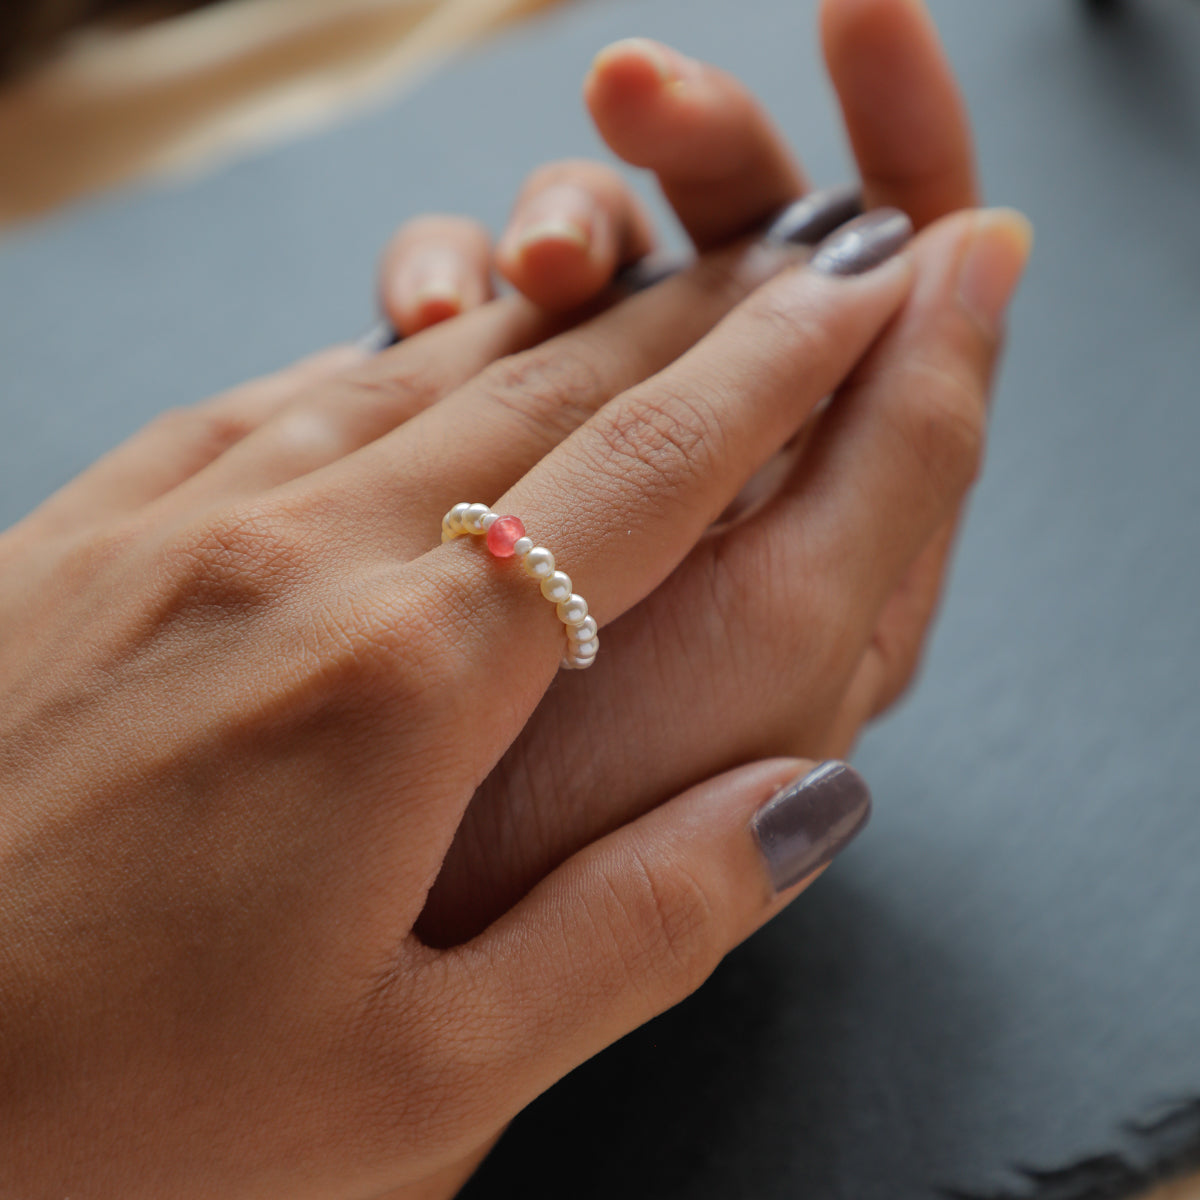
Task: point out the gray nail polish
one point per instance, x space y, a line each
864 243
810 821
379 337
646 272
815 217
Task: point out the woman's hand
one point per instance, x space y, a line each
249 699
244 719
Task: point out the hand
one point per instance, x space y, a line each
239 742
273 697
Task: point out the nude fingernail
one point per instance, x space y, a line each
431 284
806 825
560 214
814 217
863 244
665 64
993 265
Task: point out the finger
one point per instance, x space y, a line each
889 465
573 225
488 433
719 159
902 107
434 268
637 921
665 459
180 443
627 496
326 423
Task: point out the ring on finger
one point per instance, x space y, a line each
506 538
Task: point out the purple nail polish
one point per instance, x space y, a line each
812 820
813 218
864 243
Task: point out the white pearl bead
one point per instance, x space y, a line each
448 535
581 664
489 521
474 514
585 649
572 610
539 563
585 631
455 516
557 587
522 546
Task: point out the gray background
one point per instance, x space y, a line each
1008 965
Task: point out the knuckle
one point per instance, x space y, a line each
392 390
551 389
395 637
240 561
660 439
673 934
945 425
212 428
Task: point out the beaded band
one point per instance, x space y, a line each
506 539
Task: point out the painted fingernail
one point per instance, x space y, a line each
810 822
813 218
993 265
864 243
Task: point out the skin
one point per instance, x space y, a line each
316 872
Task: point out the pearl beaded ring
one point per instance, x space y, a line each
506 538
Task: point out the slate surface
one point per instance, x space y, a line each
1008 966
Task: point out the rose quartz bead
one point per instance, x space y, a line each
503 536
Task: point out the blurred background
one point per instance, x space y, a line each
997 995
97 92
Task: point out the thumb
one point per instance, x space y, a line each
635 922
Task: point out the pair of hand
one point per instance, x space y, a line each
315 871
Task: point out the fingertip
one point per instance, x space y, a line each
625 90
429 307
902 105
881 18
632 65
554 267
994 264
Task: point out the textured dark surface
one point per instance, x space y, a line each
1006 967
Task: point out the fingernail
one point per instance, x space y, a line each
553 230
864 243
646 50
430 286
378 338
811 821
993 265
559 214
815 217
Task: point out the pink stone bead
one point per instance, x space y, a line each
504 535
